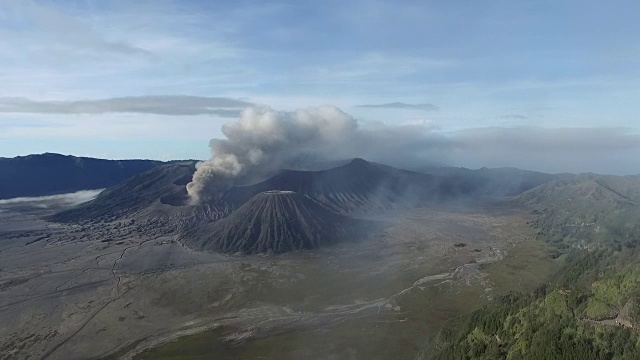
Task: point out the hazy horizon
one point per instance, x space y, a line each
546 86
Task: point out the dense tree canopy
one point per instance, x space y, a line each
574 316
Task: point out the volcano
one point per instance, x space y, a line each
357 187
159 196
275 222
132 196
291 210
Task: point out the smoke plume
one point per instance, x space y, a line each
264 140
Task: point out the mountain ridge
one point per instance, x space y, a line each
358 187
51 174
587 209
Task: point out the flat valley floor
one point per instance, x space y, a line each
107 292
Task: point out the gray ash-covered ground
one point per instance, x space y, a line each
88 291
123 274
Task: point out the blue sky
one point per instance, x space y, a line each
524 65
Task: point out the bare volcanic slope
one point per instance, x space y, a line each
132 196
356 187
361 186
275 222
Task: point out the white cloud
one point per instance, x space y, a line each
160 105
140 127
373 66
44 28
401 105
61 199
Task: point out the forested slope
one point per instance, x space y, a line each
589 313
590 309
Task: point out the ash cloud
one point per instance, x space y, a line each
264 141
172 105
401 105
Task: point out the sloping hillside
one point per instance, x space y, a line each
354 188
275 222
48 174
133 195
588 209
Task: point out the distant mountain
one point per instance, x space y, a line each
586 210
357 187
497 182
48 174
275 222
135 194
362 185
249 218
594 222
354 188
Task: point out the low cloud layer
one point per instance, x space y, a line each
53 200
604 150
401 105
547 140
158 105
